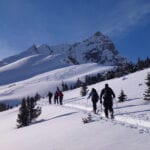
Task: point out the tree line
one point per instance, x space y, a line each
118 71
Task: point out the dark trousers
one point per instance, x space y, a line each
108 107
60 100
56 101
94 107
50 100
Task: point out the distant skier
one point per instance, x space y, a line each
94 98
107 94
56 97
50 97
60 95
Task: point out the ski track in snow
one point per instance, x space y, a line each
135 123
124 119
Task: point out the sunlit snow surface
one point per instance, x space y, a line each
61 127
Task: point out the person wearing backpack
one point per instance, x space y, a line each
94 98
107 94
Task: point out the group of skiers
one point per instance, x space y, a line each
58 97
106 97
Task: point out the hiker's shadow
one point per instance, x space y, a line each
55 117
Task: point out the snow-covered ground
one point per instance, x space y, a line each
61 127
14 92
40 59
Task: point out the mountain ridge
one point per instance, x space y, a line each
37 60
97 48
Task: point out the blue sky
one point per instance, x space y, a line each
27 22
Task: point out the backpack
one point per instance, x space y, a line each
60 94
95 96
107 93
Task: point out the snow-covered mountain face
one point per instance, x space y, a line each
98 48
2 63
36 60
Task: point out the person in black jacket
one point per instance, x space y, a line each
94 98
50 97
107 94
60 95
56 97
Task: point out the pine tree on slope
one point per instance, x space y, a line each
147 92
28 112
23 116
34 111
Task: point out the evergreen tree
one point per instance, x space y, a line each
28 112
110 75
122 97
130 67
34 111
100 77
37 96
147 92
3 107
147 62
140 64
58 88
78 83
84 89
64 86
23 116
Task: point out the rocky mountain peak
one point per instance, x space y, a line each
97 48
98 33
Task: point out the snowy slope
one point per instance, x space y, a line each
13 93
28 67
36 60
60 127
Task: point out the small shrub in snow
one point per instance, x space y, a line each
122 97
84 89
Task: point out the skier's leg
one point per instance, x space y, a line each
111 111
60 100
94 107
106 112
106 109
49 101
57 100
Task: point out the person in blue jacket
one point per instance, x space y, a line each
94 98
